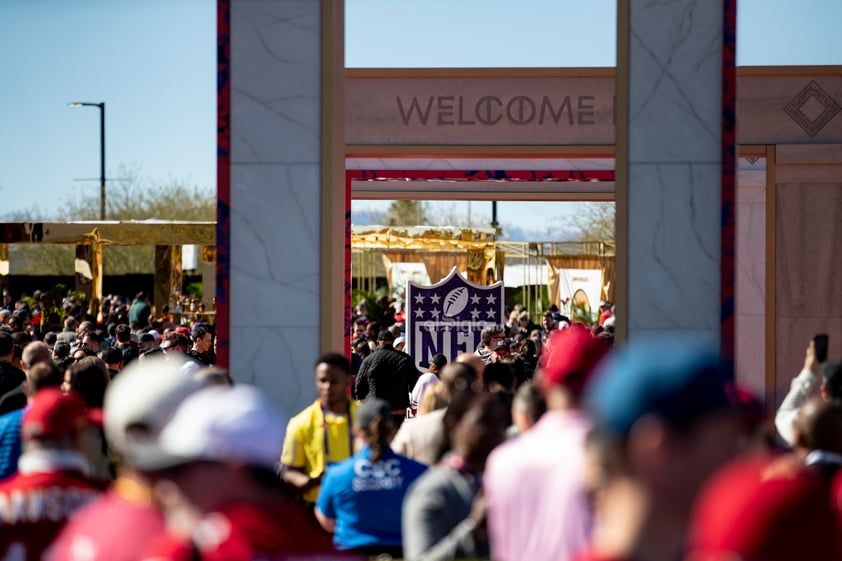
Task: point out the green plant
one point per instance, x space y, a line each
582 314
194 289
52 310
374 309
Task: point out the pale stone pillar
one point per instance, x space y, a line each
674 130
286 205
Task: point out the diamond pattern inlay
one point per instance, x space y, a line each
812 92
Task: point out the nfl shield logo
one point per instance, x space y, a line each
448 317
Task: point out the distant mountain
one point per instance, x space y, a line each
510 233
367 217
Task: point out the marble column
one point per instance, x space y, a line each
278 155
751 274
675 81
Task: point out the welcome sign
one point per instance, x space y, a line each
448 317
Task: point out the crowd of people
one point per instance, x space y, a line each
545 442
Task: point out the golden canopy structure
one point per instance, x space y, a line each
168 237
439 248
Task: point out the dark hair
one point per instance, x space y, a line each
63 363
459 406
43 375
831 372
6 343
50 338
89 376
487 332
93 336
147 338
458 377
530 400
438 362
340 361
386 336
498 374
112 355
528 348
515 361
177 339
61 349
140 296
201 331
123 333
362 347
379 434
150 351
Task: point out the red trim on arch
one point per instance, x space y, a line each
348 305
223 180
729 165
484 175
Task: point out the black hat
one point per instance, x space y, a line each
501 343
439 360
371 409
386 336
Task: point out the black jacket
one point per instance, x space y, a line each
387 374
10 381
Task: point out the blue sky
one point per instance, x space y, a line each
153 63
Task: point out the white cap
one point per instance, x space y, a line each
222 424
139 402
399 340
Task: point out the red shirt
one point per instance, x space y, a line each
117 527
34 507
242 532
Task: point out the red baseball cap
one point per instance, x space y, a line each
769 509
572 356
54 414
182 329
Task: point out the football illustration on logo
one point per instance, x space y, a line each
455 302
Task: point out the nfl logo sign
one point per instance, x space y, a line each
448 317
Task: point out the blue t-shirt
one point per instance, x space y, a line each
10 442
365 499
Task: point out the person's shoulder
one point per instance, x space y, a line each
427 485
11 420
411 465
427 378
6 366
509 454
305 416
342 468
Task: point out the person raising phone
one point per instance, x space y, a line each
815 364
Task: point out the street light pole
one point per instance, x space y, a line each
101 107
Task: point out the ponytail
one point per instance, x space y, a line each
378 432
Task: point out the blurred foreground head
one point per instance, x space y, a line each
139 403
572 357
663 417
764 509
